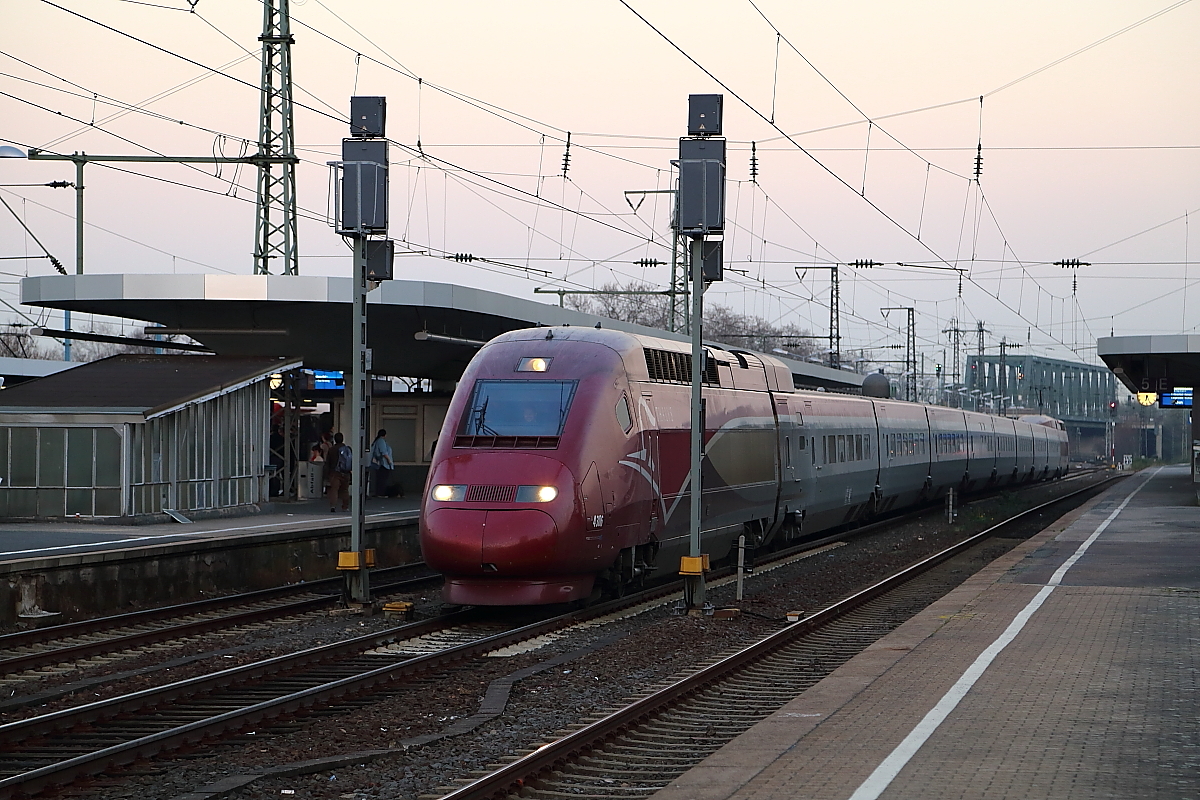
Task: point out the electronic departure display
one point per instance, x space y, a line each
1180 398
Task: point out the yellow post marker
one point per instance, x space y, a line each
369 555
693 565
348 560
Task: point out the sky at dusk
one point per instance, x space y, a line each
864 117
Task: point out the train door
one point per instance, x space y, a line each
801 463
649 462
593 511
786 437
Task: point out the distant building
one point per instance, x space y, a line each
133 435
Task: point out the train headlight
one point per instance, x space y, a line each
536 494
447 492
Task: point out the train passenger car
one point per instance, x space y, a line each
845 459
948 456
1006 454
562 465
904 453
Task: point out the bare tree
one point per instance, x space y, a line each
651 310
15 342
721 324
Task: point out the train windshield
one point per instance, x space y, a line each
518 408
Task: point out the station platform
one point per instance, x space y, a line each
64 571
1067 668
26 540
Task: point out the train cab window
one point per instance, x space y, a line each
624 418
518 408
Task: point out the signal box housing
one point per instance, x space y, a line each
368 117
370 210
704 114
701 186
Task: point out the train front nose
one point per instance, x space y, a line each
490 541
490 529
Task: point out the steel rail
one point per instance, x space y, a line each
100 624
94 763
41 658
525 770
150 745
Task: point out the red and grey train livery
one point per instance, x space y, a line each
562 466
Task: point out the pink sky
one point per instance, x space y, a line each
1054 186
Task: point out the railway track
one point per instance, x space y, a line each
643 746
62 644
72 744
67 745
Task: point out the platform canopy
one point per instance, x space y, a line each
415 328
1153 363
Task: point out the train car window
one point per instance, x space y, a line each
841 447
814 451
787 452
623 415
800 442
858 447
867 445
518 408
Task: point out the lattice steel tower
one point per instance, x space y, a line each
275 224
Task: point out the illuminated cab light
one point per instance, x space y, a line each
536 494
534 364
446 492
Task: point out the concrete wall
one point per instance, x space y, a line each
101 584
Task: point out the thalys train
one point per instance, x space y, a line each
562 467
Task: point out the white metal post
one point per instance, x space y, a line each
741 565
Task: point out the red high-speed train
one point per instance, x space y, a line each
562 466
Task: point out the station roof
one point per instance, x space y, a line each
1152 363
144 384
18 370
308 317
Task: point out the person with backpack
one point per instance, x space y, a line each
339 465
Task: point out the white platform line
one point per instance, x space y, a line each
192 535
886 772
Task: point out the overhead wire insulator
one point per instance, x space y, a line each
649 262
464 257
567 156
753 163
865 263
978 161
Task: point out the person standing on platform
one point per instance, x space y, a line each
339 464
381 465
